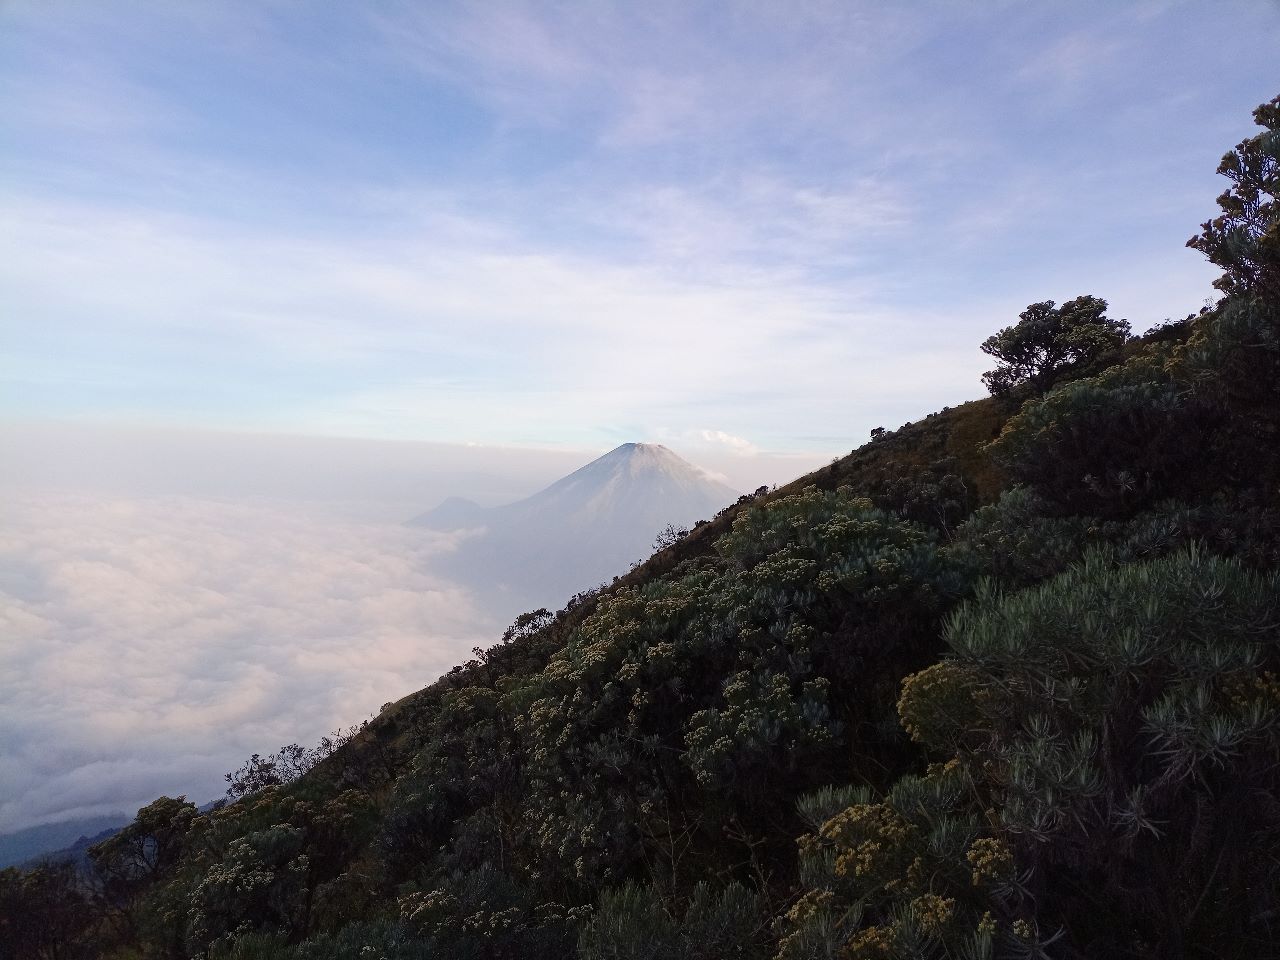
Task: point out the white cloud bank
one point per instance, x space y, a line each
150 645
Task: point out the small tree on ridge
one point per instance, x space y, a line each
1047 339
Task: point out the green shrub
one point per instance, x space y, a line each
633 923
1129 726
1114 736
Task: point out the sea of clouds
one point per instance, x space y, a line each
174 599
151 643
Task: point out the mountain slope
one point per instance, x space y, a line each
455 513
632 774
27 844
645 481
580 531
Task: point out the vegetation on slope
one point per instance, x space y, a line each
1011 675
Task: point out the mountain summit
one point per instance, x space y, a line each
640 485
581 530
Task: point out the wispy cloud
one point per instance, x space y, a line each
515 222
1076 60
641 76
427 337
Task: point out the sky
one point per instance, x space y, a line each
744 227
277 275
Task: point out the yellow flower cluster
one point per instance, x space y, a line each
870 835
914 879
810 845
809 905
1264 687
871 944
938 703
990 859
933 912
936 771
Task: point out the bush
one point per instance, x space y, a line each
633 923
1131 724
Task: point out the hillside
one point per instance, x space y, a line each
1004 682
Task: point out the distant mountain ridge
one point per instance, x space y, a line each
582 530
23 845
455 513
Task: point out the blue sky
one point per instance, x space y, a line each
733 227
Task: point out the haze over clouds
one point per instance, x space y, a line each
154 643
173 601
352 477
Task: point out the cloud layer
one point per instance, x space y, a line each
152 644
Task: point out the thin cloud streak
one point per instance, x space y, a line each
379 320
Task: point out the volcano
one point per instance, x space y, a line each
582 530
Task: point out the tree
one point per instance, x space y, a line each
1045 340
44 913
1245 239
669 536
1126 716
287 764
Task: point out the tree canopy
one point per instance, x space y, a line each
1046 339
1244 240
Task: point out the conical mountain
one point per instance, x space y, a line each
635 485
582 530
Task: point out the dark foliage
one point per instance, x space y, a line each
1047 339
1244 240
285 765
45 913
